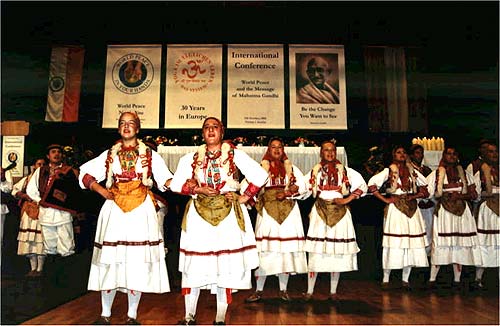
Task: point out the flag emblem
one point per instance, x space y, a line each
133 73
56 84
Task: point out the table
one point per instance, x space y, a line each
303 157
432 158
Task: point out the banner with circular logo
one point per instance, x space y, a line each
132 84
194 84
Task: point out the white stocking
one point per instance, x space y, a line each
311 282
107 297
133 303
283 278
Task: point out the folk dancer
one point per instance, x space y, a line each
454 232
331 239
30 240
279 231
56 221
488 226
128 252
426 205
217 246
404 238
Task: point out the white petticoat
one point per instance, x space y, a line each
221 255
128 250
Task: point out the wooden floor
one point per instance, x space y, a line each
60 296
361 302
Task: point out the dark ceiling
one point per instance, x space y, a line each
451 32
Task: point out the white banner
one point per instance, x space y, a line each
317 87
194 84
13 154
255 86
132 84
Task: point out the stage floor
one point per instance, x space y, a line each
361 302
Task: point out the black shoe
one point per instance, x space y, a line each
219 323
406 286
385 286
456 286
103 321
285 297
477 286
132 321
187 322
307 297
256 296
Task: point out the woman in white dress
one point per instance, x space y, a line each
331 239
217 247
279 231
404 239
454 232
488 226
128 252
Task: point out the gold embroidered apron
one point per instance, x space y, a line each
131 194
330 212
214 209
277 209
456 207
405 206
492 203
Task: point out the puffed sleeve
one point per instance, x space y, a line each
255 174
18 186
477 182
93 171
376 181
161 172
32 188
431 183
6 186
183 172
358 184
471 181
301 182
307 181
421 179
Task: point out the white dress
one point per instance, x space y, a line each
454 238
333 249
404 239
488 228
281 246
223 255
30 239
128 249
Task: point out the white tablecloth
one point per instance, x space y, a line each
432 158
303 157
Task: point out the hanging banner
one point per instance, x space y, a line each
13 154
194 84
255 86
317 87
132 84
65 80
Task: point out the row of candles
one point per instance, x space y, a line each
430 144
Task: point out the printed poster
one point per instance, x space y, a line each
255 87
317 87
13 154
132 84
194 85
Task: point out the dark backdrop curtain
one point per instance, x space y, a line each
396 93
